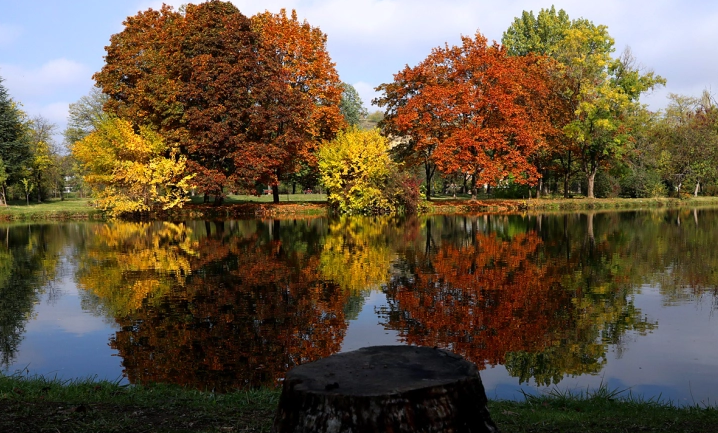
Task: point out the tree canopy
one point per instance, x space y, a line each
352 107
15 152
600 93
244 100
470 108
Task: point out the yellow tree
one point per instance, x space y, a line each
355 168
129 171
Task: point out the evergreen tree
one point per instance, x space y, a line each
14 146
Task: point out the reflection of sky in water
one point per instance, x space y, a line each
62 340
677 361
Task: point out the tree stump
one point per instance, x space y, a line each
384 389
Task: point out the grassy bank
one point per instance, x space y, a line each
41 405
55 209
443 205
298 205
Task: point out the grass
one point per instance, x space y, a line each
37 404
53 209
294 205
603 410
268 198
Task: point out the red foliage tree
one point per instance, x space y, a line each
471 109
310 112
245 102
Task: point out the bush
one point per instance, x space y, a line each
403 191
512 190
606 186
643 184
361 178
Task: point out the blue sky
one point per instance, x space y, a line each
49 49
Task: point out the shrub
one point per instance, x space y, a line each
361 178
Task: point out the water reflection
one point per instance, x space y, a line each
221 305
497 293
29 263
217 305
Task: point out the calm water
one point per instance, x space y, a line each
538 302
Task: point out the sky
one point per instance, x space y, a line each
49 49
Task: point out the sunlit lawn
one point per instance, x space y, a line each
52 208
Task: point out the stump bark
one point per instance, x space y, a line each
385 389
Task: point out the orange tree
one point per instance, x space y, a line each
470 109
310 111
217 89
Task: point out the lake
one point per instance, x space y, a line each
540 302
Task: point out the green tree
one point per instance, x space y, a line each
539 34
43 154
601 94
609 101
688 141
14 146
84 116
351 106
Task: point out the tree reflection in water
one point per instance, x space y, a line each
236 304
495 292
221 306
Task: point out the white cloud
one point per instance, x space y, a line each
9 34
50 78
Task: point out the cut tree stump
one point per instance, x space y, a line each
384 389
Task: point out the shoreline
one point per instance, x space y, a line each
79 209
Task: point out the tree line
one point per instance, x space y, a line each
205 100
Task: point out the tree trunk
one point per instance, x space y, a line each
429 172
589 228
698 187
591 178
275 193
397 389
566 180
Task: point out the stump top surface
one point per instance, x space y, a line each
381 370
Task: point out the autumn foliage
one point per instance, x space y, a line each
220 308
131 172
471 109
482 300
244 100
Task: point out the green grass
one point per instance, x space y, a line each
313 204
71 208
603 410
37 404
